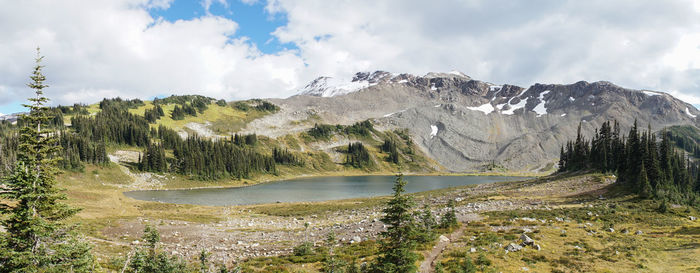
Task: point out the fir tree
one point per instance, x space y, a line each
645 189
37 240
427 223
450 218
150 259
331 262
397 244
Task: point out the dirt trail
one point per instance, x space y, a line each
428 265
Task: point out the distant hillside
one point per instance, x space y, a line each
198 137
686 138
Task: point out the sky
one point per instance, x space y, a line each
239 49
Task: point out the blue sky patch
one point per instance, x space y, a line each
253 20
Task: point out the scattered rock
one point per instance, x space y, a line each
610 230
537 247
526 240
444 239
639 232
356 239
472 250
527 230
513 247
135 242
692 218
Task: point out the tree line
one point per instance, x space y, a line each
685 138
76 150
643 165
325 131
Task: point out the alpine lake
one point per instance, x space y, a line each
310 189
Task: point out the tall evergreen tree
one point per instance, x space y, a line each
37 240
645 189
397 242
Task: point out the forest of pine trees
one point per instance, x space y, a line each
325 131
207 160
643 165
76 149
389 146
154 159
358 156
113 124
154 114
285 157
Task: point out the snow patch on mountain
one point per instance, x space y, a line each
391 114
540 109
433 131
330 87
517 106
689 114
650 93
455 72
486 108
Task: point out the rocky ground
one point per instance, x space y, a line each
245 234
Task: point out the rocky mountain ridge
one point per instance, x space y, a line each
467 124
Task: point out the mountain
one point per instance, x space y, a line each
10 117
467 124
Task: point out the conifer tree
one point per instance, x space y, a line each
37 240
397 243
645 189
450 218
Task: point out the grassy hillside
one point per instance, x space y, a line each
316 155
686 138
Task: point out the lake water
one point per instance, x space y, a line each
310 189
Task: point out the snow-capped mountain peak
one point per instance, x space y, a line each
332 86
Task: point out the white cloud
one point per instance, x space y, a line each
107 48
206 4
637 44
118 49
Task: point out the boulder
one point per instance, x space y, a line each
526 240
513 247
444 239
